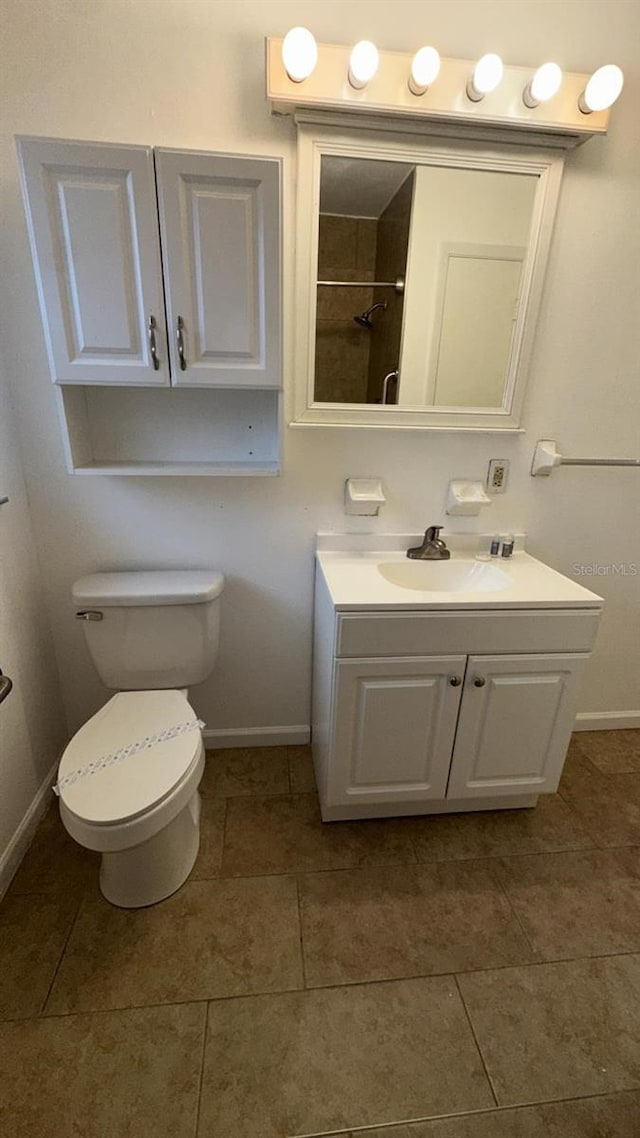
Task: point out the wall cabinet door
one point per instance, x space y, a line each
220 227
393 730
92 219
515 724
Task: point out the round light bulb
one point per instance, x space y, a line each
299 54
424 69
544 85
602 90
363 63
487 75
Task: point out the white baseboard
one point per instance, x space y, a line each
256 736
21 840
300 734
606 720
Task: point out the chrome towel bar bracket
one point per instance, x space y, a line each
546 457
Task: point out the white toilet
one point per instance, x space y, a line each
128 780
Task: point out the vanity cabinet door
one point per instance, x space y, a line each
515 723
92 220
220 229
394 724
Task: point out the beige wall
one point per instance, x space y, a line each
190 73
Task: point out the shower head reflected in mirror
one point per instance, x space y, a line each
364 319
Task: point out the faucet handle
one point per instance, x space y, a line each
433 533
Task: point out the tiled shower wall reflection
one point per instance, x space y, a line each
391 262
346 251
351 361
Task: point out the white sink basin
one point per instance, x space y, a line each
372 571
455 576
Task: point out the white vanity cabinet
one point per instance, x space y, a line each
394 727
515 723
419 712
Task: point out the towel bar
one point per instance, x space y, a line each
546 457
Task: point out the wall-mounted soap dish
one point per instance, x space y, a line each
466 498
363 496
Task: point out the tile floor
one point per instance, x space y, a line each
475 976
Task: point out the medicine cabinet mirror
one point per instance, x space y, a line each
419 277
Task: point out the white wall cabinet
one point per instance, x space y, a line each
397 730
93 224
91 213
219 218
159 269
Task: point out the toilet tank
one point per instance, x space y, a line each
151 629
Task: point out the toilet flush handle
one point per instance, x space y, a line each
5 685
89 614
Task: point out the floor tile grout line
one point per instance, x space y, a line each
74 922
87 890
325 987
484 858
304 965
224 834
475 1040
476 971
497 877
355 1132
132 1008
201 1080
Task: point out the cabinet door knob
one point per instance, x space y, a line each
455 681
479 682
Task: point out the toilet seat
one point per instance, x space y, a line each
137 785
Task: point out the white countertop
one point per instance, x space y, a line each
355 583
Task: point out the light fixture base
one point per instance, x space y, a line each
416 88
473 94
560 123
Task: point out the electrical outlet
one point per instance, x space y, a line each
498 475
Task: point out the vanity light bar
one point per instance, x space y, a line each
302 74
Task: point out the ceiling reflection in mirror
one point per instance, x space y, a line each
419 276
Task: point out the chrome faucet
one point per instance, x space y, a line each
433 547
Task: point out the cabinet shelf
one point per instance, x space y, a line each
170 431
194 469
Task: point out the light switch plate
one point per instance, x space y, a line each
498 475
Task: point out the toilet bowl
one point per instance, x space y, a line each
142 813
128 780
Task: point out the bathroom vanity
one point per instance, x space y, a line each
442 686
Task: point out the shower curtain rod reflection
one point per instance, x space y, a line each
397 284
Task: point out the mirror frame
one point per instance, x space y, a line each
315 141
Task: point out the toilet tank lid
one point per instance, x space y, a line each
149 587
